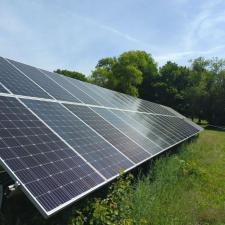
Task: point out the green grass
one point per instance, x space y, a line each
185 188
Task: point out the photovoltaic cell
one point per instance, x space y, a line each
180 125
157 128
17 83
105 158
143 129
87 88
119 123
166 127
110 133
68 84
112 97
48 169
46 83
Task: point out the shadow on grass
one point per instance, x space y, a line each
215 128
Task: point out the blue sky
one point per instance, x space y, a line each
75 34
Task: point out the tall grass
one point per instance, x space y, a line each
186 188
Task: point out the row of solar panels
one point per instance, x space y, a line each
26 80
60 149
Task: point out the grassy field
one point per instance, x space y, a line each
185 188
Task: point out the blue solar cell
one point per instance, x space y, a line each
127 129
43 164
17 83
71 85
88 143
44 82
110 133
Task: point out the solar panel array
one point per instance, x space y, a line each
61 138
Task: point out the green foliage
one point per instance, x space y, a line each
116 207
170 85
72 74
125 73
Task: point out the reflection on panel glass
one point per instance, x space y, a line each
131 132
110 133
146 129
18 83
105 158
44 82
68 84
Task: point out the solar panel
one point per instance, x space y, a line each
156 128
119 123
89 90
61 138
17 83
125 144
103 156
48 170
71 85
44 82
144 129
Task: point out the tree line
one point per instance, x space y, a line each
197 91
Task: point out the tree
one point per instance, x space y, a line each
205 92
196 90
168 87
125 73
72 74
216 92
103 75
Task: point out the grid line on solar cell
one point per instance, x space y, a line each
2 89
182 125
45 82
17 82
177 125
165 126
38 158
110 133
172 126
158 128
120 124
100 154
